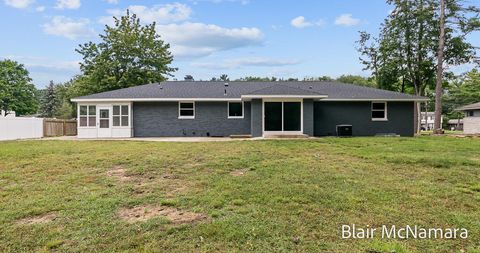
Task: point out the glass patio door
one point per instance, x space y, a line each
283 117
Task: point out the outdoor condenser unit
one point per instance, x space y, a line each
344 130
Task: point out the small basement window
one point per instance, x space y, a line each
186 110
88 116
235 110
379 111
120 115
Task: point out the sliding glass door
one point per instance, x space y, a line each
283 116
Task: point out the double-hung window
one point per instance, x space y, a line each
235 110
120 116
88 115
186 110
379 111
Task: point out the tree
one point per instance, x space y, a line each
463 91
404 55
320 78
49 101
257 79
437 128
224 77
189 78
456 22
357 80
129 54
17 93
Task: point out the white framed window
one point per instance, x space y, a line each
235 110
379 111
87 116
186 110
120 116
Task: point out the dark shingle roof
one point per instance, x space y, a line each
280 89
475 106
205 90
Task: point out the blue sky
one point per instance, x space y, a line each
208 37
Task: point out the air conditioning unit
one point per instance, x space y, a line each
344 130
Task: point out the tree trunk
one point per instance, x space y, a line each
438 87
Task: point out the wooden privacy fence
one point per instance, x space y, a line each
59 127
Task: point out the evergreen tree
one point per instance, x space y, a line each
49 101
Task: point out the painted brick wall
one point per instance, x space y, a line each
156 119
257 115
308 122
358 114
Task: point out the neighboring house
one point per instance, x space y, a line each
428 120
256 109
455 124
471 122
10 114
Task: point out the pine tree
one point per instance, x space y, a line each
49 102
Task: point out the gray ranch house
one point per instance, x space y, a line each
257 109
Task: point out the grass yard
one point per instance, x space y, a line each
261 196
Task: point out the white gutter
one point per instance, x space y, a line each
150 99
283 96
318 97
376 99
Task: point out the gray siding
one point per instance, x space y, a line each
155 119
308 117
257 118
358 114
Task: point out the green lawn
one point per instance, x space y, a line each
262 196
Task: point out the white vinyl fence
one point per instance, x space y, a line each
20 128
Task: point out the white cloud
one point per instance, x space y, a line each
40 8
346 20
187 38
301 22
44 69
112 1
198 39
68 28
161 14
20 4
68 4
245 62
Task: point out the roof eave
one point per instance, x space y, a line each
283 96
85 100
378 99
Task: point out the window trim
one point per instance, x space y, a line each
87 116
385 118
180 109
129 109
235 117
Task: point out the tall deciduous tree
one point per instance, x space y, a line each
17 93
129 54
404 54
438 87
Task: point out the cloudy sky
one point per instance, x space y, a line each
208 37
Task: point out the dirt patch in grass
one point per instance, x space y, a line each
118 172
39 219
143 213
238 173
